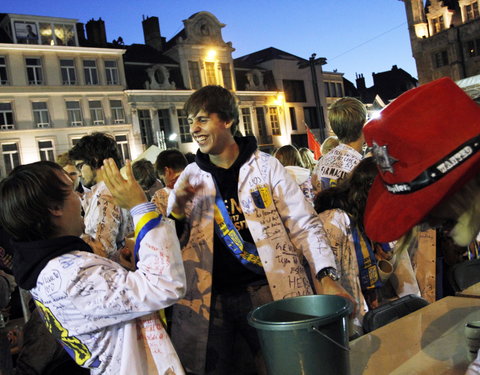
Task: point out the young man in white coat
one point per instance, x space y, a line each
246 229
105 316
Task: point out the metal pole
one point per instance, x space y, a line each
317 96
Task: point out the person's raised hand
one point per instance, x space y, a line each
126 193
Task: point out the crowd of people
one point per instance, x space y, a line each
156 273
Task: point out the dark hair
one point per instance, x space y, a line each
144 173
214 99
95 148
351 193
190 156
171 158
347 117
288 155
27 194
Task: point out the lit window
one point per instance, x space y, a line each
210 71
111 71
471 11
438 24
34 71
247 121
40 115
90 71
274 120
69 77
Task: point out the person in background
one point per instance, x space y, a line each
308 160
242 219
106 225
347 117
190 156
68 165
105 316
144 173
341 210
169 165
329 144
290 158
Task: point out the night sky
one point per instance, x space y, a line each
356 36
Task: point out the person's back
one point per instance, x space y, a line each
347 117
105 316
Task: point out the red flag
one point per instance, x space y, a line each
313 144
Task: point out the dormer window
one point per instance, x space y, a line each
438 24
46 33
471 11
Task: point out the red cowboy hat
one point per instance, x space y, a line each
426 145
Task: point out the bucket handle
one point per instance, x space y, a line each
330 339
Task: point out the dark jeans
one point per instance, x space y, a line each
228 326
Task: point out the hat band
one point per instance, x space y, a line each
434 173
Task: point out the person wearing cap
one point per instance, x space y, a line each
347 117
426 144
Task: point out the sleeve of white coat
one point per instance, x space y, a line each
300 219
107 294
474 368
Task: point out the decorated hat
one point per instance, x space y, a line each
426 145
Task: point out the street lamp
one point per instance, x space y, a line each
312 61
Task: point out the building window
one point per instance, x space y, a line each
118 114
261 122
294 90
311 118
26 32
122 147
145 122
74 113
473 48
47 152
194 72
111 71
3 71
11 156
69 77
274 121
90 71
34 71
184 127
96 112
339 89
210 72
293 118
57 34
438 24
40 115
226 75
327 89
471 11
6 116
247 121
440 59
166 128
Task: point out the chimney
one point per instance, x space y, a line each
151 33
96 32
81 33
360 82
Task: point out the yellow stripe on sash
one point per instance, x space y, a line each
144 220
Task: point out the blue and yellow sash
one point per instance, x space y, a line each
245 252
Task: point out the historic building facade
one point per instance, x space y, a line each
53 91
445 38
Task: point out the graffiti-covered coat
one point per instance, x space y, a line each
107 317
283 226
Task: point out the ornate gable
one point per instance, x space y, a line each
203 28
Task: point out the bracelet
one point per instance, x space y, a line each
177 217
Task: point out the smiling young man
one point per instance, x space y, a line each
247 225
105 316
106 225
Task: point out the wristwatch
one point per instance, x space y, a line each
328 271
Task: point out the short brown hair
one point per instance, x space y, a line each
288 155
214 99
347 117
64 160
